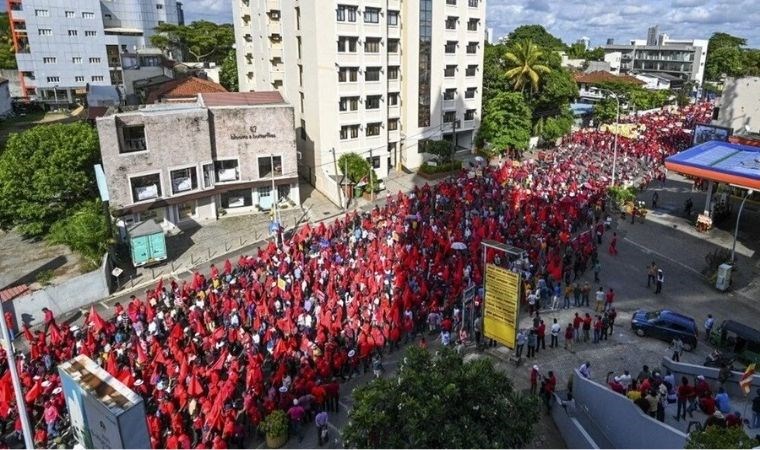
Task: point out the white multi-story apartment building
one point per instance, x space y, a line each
62 45
373 77
684 58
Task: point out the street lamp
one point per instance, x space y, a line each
617 130
736 228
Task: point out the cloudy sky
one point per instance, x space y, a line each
597 19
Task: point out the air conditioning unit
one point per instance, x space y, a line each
182 184
228 174
147 192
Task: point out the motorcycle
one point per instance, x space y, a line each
717 359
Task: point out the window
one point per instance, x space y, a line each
450 47
94 60
451 23
449 116
372 74
45 32
373 102
372 45
348 104
393 99
392 45
371 15
70 14
90 33
472 25
107 16
449 94
73 32
471 70
53 79
470 92
48 60
449 71
132 139
348 74
472 48
97 78
347 44
472 3
392 124
346 13
159 6
393 18
469 114
373 129
241 198
88 15
41 13
425 64
349 132
393 72
374 161
451 2
184 180
145 187
227 170
79 79
265 166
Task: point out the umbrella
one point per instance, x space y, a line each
411 217
459 246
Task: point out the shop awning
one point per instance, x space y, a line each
720 161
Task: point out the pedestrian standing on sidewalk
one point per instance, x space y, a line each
541 336
651 274
609 298
534 374
599 300
587 328
521 338
597 269
556 330
613 245
532 341
709 323
677 347
321 422
660 280
585 291
655 198
569 337
597 329
577 322
611 314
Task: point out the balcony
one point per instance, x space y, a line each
275 27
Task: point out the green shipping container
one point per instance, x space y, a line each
147 243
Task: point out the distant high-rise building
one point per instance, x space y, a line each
374 78
610 41
62 46
585 41
652 34
180 14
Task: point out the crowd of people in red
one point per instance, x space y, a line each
212 356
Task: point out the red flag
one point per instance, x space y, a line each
183 370
56 338
219 364
94 319
159 358
159 288
227 267
34 392
6 387
214 416
142 358
28 334
195 389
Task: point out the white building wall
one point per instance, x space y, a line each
739 107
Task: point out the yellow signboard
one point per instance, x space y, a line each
500 308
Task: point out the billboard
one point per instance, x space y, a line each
501 305
704 132
104 412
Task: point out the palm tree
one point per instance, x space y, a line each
525 69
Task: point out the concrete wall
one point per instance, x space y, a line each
739 105
5 99
62 298
616 417
570 428
691 371
14 83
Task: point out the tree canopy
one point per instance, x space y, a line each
7 55
524 66
506 122
439 401
536 34
45 172
228 75
85 231
357 169
558 90
717 437
201 41
726 55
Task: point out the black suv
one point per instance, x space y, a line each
666 325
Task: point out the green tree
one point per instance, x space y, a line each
201 41
557 126
724 56
716 437
494 67
439 401
7 55
558 88
605 110
577 51
86 231
45 172
356 168
536 34
228 75
443 149
506 122
596 54
523 66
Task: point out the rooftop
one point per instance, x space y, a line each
605 77
720 161
211 100
183 89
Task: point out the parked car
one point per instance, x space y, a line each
666 325
737 339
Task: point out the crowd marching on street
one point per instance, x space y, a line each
280 329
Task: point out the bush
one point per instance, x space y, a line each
714 259
622 195
44 276
440 168
715 437
275 424
358 169
85 231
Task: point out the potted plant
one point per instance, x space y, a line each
275 427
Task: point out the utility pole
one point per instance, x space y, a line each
371 184
274 204
340 182
20 403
